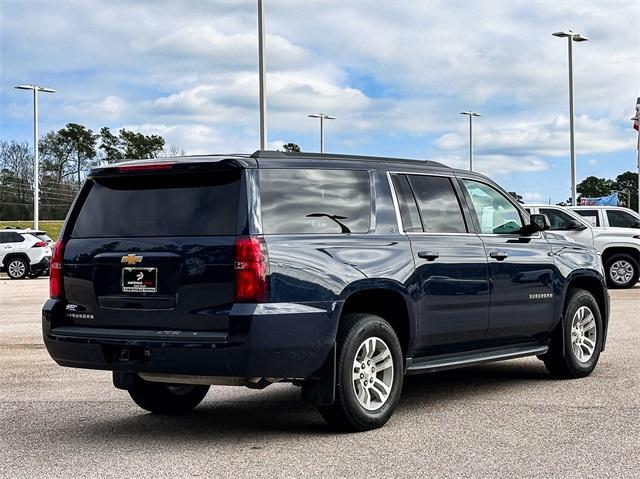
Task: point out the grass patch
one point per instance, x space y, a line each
51 227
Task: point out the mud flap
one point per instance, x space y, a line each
321 389
125 379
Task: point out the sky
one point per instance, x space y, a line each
395 74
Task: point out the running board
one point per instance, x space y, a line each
470 358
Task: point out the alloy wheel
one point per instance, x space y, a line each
16 269
583 334
621 272
372 373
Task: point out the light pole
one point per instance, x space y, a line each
636 126
322 117
470 114
36 179
572 37
262 75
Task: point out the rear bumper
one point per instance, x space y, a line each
41 266
284 340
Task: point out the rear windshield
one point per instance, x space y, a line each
160 205
308 201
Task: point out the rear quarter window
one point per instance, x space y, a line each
160 205
308 201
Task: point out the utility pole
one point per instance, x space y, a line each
636 125
36 174
322 117
572 37
470 114
262 75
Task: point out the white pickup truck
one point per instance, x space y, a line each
619 246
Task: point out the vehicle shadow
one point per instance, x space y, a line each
256 416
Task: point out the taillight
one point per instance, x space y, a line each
40 244
251 269
56 290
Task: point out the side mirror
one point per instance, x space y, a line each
537 223
576 225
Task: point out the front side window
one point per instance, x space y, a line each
590 215
559 220
622 219
308 201
495 213
438 204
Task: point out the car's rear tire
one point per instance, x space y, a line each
369 374
581 333
622 271
17 268
162 398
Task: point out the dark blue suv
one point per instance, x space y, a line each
337 273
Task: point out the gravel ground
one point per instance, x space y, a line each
506 419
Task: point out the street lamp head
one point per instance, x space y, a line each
576 37
322 115
470 113
35 87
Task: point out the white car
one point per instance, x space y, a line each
24 252
619 246
609 216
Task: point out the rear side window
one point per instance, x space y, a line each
407 204
304 201
622 219
590 215
160 205
438 204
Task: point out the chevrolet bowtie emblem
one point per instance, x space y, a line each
131 259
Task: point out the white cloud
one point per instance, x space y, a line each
532 197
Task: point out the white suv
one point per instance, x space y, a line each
620 247
609 216
24 252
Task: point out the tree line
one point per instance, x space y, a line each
66 155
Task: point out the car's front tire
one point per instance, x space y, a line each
622 271
162 398
581 333
17 268
369 374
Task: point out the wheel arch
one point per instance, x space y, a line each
594 283
11 256
385 298
609 251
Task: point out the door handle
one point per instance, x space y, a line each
428 255
499 255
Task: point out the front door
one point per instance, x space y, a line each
521 268
450 260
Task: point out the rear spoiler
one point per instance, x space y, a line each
183 164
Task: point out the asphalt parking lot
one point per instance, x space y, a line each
502 420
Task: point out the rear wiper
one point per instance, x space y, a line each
335 218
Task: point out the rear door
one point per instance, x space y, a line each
154 251
450 262
521 268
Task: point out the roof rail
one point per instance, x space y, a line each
329 156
